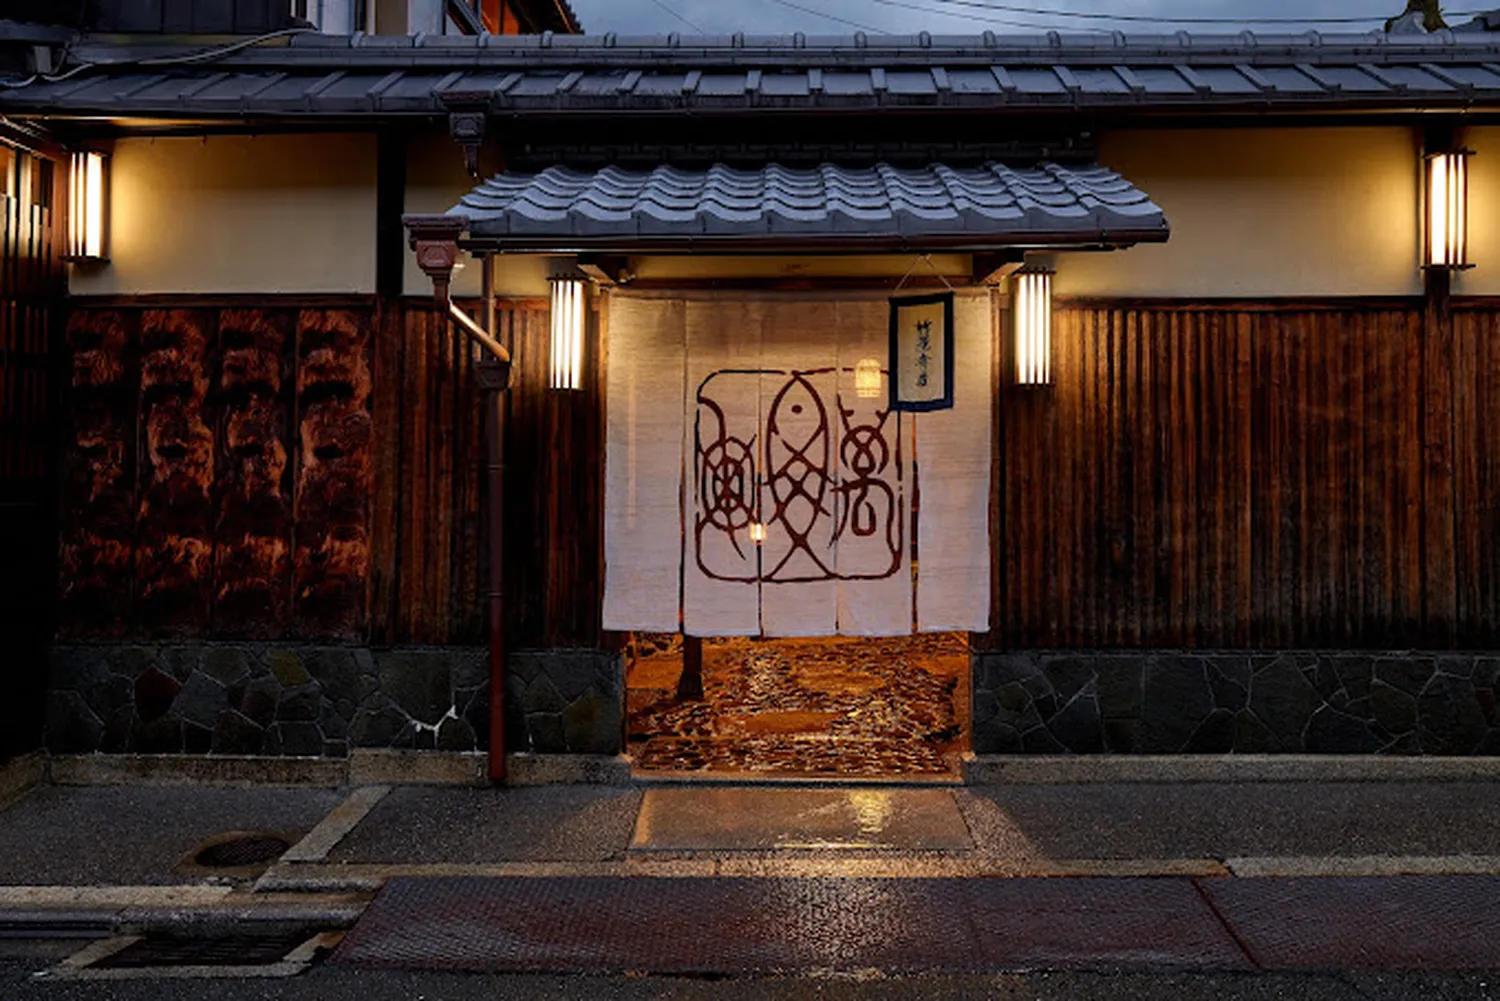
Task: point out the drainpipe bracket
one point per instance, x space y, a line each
493 375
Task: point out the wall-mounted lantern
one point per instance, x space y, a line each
1031 307
568 322
1448 210
88 211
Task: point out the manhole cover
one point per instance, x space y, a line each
238 950
236 853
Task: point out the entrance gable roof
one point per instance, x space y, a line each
829 207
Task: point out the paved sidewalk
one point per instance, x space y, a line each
96 860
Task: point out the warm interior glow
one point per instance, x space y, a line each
86 206
1033 318
757 532
567 335
1448 210
868 379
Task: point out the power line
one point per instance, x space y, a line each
1143 18
831 17
1008 22
662 4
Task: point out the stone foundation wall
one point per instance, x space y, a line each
1316 702
265 698
565 702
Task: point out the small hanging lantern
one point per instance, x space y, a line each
88 190
567 333
869 379
1032 308
757 532
1448 209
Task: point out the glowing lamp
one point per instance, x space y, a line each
757 532
868 379
87 216
1448 209
567 334
1033 326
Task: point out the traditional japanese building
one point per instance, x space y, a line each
751 404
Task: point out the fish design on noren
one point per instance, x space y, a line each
824 471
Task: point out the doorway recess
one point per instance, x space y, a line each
889 708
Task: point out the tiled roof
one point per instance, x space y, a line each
879 206
550 74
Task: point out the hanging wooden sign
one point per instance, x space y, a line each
922 352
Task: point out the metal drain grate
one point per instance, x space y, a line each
239 950
255 849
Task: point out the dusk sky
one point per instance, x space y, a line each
973 16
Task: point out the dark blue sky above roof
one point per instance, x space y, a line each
961 16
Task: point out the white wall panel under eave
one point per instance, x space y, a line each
1484 214
1265 213
239 214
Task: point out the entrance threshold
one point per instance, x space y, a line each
742 778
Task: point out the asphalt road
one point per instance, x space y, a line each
334 984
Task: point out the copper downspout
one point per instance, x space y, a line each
435 240
494 378
493 375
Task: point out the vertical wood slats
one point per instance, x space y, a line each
554 491
1271 476
427 555
33 281
430 571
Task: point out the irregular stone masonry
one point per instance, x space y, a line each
1174 702
265 699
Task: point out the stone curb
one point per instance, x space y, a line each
362 767
470 769
369 877
47 911
1176 769
1374 865
188 769
20 775
448 768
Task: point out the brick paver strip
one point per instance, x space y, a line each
736 926
1436 923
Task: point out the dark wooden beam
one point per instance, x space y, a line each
605 269
993 268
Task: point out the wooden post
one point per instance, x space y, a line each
690 685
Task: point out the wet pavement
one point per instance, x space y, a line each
434 825
734 819
886 890
139 835
740 927
876 707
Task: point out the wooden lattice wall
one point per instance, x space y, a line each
32 283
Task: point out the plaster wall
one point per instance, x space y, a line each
1484 210
239 214
1268 212
435 181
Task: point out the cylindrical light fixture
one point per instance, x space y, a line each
1448 209
1032 311
869 379
567 333
88 191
